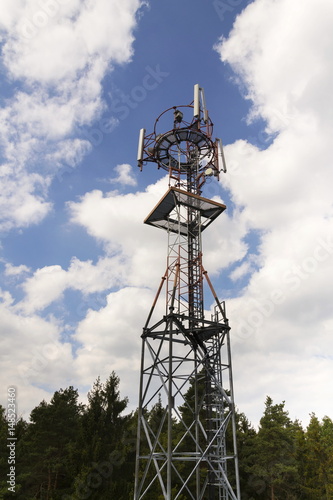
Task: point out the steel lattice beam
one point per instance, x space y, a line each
186 358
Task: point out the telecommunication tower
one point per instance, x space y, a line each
186 371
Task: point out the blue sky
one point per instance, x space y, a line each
78 269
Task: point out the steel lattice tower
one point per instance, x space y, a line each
186 372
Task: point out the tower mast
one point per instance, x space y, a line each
186 358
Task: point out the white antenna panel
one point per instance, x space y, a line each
203 100
196 111
140 146
221 159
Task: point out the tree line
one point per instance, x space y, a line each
71 451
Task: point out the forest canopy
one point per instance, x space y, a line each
71 451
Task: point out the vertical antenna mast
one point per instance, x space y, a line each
186 358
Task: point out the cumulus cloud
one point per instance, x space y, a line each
58 53
108 335
124 175
117 221
11 270
286 78
54 56
49 283
33 357
283 192
115 342
242 270
280 189
22 199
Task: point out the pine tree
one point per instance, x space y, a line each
275 462
70 452
246 440
47 458
317 464
105 444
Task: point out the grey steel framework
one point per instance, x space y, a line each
186 359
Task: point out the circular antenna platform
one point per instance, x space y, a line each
187 148
181 148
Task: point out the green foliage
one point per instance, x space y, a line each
69 451
316 451
272 462
46 457
106 442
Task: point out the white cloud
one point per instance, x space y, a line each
58 53
44 287
117 221
22 199
283 189
75 35
110 338
11 270
288 75
282 321
125 175
241 271
34 360
48 284
6 298
223 243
